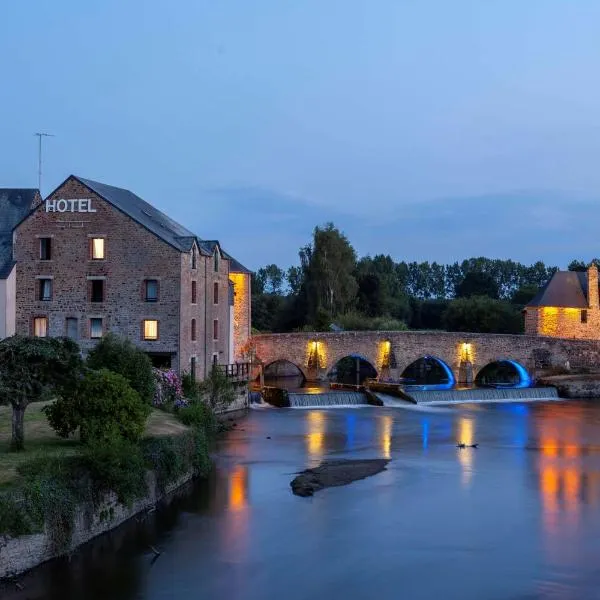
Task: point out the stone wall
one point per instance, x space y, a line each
569 323
400 349
241 312
25 552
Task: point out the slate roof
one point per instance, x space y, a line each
15 203
566 289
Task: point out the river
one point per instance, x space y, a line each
518 518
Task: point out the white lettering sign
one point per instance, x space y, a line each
80 205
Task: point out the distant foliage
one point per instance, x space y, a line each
355 321
121 356
103 407
482 314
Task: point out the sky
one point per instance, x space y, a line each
425 129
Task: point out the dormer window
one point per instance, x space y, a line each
194 257
216 260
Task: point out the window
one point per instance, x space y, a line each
193 368
45 289
96 328
97 248
72 328
193 330
216 293
45 248
584 316
216 260
216 329
40 326
215 359
194 292
151 290
193 257
97 290
150 329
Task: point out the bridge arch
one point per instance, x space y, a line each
281 368
353 369
429 370
503 372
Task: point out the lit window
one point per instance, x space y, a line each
193 330
45 289
216 329
194 292
95 328
216 293
150 329
97 246
97 290
72 328
45 248
40 327
151 293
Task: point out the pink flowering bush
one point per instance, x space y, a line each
168 389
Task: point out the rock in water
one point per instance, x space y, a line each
334 473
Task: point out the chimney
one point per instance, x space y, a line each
592 274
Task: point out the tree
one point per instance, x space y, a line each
32 368
577 265
121 356
524 294
103 406
483 315
477 283
328 265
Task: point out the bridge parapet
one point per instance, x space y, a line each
316 353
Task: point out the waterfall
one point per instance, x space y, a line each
484 395
299 400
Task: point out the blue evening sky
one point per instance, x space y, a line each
427 129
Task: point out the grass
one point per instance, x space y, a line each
41 440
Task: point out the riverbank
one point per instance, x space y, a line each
574 386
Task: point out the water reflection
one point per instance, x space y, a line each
466 435
238 488
385 437
316 427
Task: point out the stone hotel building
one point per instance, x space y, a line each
93 259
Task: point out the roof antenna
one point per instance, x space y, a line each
40 135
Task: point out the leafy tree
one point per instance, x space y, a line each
31 369
294 277
477 283
328 265
103 406
524 294
121 356
372 298
577 265
482 314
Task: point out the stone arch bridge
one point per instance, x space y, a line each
390 352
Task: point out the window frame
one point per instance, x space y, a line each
96 337
45 244
216 260
76 321
92 240
193 331
215 330
194 258
40 290
194 292
583 316
145 290
144 336
92 283
33 325
216 293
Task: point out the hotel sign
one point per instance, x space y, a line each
80 205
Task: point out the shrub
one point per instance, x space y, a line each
103 407
122 356
116 465
198 414
168 388
217 389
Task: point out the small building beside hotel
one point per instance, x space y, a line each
15 203
93 259
566 307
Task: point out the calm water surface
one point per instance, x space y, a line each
516 519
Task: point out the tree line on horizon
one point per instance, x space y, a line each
332 288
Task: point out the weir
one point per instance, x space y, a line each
483 395
347 398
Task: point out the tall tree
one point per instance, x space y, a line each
329 264
477 283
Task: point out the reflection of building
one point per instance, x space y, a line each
14 205
567 306
94 259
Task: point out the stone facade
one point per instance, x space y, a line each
133 254
552 315
391 352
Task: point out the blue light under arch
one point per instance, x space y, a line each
525 380
451 383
